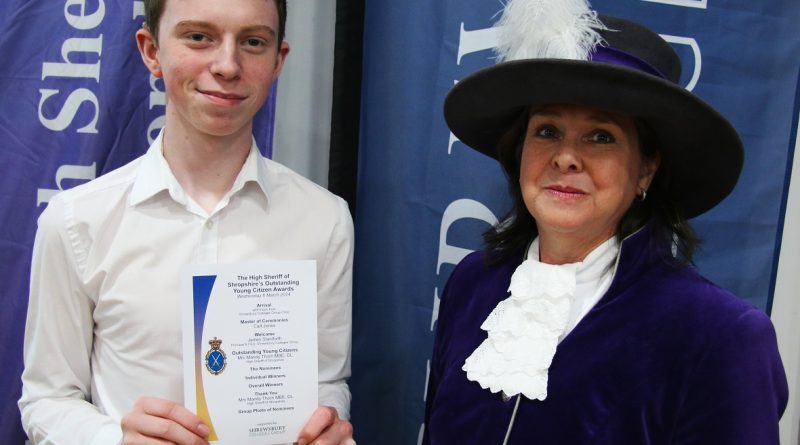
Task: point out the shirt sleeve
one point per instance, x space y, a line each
738 389
334 314
56 389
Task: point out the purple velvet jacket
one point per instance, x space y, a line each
665 357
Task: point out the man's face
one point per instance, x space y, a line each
218 60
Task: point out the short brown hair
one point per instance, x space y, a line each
154 8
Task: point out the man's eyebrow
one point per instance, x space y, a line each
259 28
194 24
197 24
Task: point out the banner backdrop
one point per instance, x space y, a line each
77 102
424 198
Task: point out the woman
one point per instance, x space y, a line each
583 320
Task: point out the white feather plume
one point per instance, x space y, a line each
563 29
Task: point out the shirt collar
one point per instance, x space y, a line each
598 262
253 170
154 175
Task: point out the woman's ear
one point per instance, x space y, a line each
648 171
148 49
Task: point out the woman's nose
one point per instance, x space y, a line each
566 157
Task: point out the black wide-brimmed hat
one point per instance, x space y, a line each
631 71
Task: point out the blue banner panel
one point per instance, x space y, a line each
424 198
77 103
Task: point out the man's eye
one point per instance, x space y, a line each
254 42
197 37
602 137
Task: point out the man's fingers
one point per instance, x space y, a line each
162 421
138 439
339 433
160 428
323 417
174 412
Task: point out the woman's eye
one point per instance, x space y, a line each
602 137
546 131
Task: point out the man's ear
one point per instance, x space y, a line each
283 51
148 49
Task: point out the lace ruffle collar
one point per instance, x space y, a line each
525 329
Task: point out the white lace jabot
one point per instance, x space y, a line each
546 302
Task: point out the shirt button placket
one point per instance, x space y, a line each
209 241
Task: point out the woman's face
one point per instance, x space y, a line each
580 171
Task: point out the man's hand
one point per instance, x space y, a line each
326 428
154 421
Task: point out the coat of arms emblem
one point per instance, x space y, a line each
215 357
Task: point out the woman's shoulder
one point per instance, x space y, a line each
475 260
478 284
687 288
482 265
731 348
700 314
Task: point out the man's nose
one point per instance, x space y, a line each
226 61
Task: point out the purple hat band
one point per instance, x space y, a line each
613 56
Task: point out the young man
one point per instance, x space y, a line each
102 343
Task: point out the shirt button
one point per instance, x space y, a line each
209 224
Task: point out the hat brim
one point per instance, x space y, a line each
700 149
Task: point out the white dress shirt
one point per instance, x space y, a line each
104 321
593 278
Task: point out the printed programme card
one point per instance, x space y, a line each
250 349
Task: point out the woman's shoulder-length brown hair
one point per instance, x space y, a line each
518 228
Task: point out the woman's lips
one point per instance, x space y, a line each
565 192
